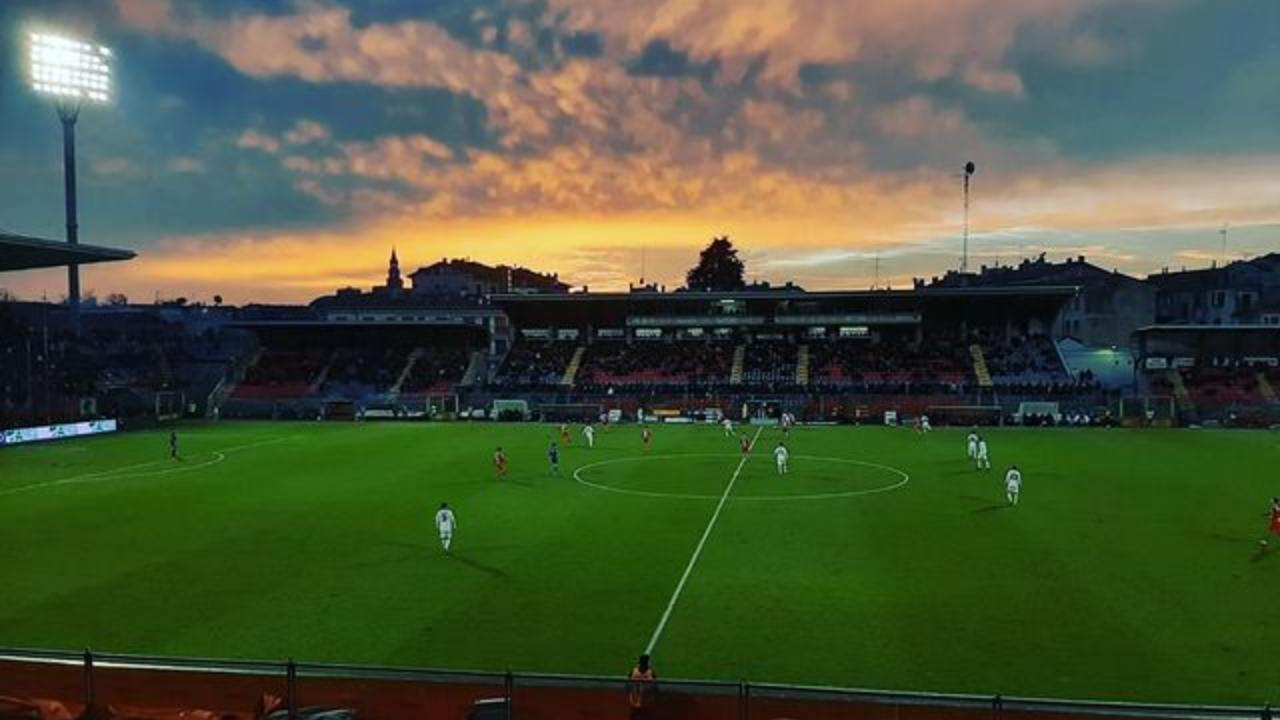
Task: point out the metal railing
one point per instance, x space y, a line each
108 678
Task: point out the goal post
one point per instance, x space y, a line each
760 411
169 405
337 410
509 410
1148 411
441 405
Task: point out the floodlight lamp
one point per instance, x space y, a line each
70 70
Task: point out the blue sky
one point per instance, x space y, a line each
275 150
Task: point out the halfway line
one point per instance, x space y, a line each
697 551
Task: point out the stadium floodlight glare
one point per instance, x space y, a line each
73 73
69 69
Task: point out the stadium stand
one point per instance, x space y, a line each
831 356
283 373
355 372
436 370
117 365
648 365
534 364
893 365
770 363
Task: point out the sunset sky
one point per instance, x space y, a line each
276 150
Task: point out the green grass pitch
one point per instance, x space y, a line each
1131 569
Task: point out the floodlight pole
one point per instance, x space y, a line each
968 171
68 114
964 257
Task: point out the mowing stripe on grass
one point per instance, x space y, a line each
697 551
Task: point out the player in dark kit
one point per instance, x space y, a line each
553 457
746 445
173 446
646 435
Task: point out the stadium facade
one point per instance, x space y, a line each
1038 342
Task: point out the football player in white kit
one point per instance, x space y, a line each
590 433
983 459
1012 484
780 455
973 445
727 424
445 523
924 424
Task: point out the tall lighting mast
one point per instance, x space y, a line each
969 167
73 73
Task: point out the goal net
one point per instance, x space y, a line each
338 410
509 410
1148 411
441 405
761 411
169 405
1037 412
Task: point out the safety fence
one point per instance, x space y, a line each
38 685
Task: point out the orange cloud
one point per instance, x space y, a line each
966 39
604 249
594 164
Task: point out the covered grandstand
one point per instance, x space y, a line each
1216 374
22 252
46 375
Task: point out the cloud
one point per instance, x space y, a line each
186 165
254 140
919 117
820 135
963 39
306 132
149 15
320 44
583 44
114 167
659 59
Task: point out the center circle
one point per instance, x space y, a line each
818 477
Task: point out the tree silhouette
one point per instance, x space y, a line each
718 269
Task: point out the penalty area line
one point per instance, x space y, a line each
697 551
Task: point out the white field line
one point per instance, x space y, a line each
697 551
903 479
123 473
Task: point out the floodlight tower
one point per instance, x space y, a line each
969 167
72 73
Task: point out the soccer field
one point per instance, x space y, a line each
1130 570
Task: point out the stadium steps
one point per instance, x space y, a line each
477 366
408 368
739 365
571 372
1267 390
318 383
980 369
162 361
1180 394
802 365
237 376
